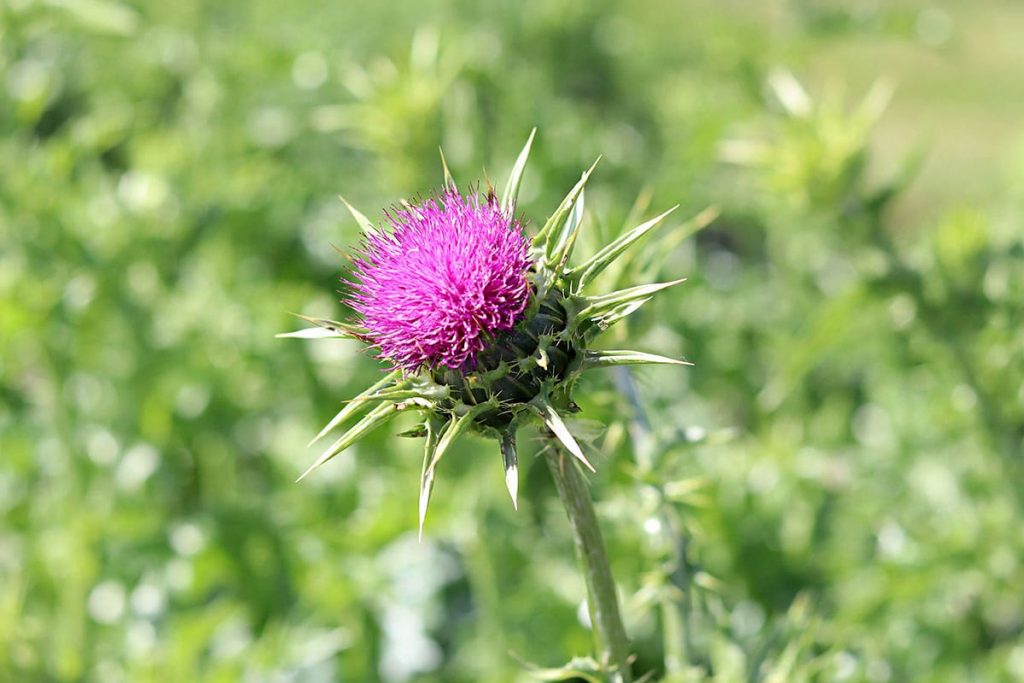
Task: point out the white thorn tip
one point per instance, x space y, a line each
512 483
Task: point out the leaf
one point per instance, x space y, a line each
511 462
586 272
353 406
607 359
511 193
554 422
449 181
364 222
373 419
433 426
544 240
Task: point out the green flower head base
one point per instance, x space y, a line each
485 329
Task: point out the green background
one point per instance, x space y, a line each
832 492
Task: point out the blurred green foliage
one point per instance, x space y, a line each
833 492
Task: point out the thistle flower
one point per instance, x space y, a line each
486 329
450 275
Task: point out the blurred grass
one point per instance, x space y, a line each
168 182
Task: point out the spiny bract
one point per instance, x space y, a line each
485 329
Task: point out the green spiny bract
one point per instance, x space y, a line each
523 375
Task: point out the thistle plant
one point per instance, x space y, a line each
486 330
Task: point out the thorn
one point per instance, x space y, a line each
512 483
511 462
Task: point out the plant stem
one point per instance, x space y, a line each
603 602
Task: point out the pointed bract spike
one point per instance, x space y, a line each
546 234
316 333
436 448
596 306
355 405
649 265
567 251
449 181
562 244
511 462
623 311
554 422
433 426
413 388
457 428
364 222
334 326
511 193
376 417
586 272
606 359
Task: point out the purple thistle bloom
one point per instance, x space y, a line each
450 274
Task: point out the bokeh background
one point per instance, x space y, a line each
832 493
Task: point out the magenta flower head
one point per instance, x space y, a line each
485 329
443 282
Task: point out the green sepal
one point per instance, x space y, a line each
604 309
417 432
582 275
547 412
584 668
417 387
432 427
646 264
452 431
511 194
364 223
373 419
566 238
354 405
607 359
325 329
449 181
546 240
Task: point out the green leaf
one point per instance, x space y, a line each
364 222
355 405
511 193
607 359
544 241
554 422
510 459
373 419
586 272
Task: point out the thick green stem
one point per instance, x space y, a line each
609 633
